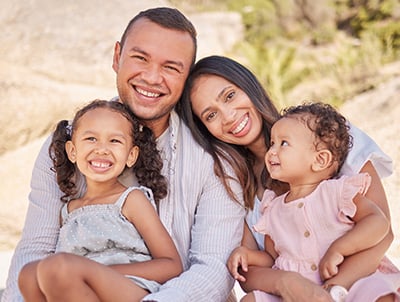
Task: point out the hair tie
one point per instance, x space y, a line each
68 128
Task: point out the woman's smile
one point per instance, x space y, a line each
242 124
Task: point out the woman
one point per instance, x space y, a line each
231 116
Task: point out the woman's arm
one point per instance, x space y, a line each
371 226
351 270
291 286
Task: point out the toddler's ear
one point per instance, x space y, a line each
323 160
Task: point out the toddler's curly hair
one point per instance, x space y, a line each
330 128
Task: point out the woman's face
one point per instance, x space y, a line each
226 111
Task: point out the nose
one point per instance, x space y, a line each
272 150
102 149
229 114
152 74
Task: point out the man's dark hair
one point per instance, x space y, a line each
166 17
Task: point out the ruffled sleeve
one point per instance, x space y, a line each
262 224
352 185
268 197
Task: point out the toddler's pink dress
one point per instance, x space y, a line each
302 231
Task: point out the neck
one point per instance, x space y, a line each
258 167
301 190
258 148
158 126
98 189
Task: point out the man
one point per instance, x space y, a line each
152 62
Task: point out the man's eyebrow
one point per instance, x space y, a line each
137 49
177 63
172 62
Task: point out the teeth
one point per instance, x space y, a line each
241 125
100 164
147 93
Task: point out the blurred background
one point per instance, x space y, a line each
56 55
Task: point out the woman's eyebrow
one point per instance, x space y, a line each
219 96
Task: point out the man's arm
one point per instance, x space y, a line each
39 235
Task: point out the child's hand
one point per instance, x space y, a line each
238 258
328 266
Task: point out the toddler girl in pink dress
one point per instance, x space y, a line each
322 218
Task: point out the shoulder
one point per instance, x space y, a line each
43 163
186 145
137 203
140 193
365 149
269 198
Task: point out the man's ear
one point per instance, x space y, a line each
116 57
71 151
323 159
132 157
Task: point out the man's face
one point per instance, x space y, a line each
152 67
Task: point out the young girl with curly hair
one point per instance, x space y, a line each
111 237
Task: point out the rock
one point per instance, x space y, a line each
376 112
55 56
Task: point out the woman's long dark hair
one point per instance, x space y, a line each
240 158
147 167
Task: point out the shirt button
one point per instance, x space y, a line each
314 267
300 205
306 234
